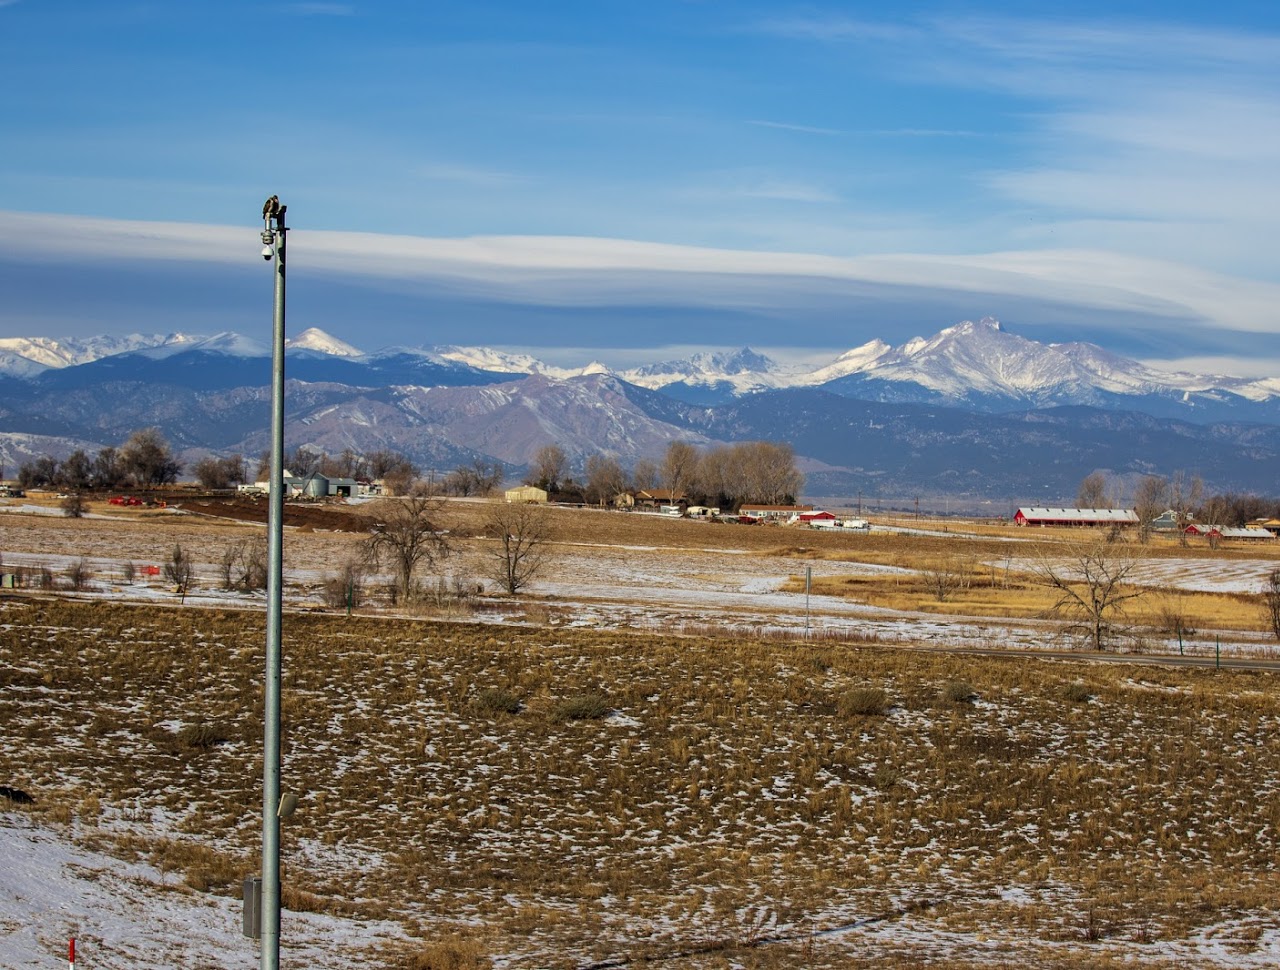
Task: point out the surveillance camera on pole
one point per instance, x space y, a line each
273 806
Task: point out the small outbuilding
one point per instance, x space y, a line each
527 495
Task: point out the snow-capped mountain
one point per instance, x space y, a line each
984 365
29 356
501 362
317 340
973 409
706 376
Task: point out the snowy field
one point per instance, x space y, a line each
57 884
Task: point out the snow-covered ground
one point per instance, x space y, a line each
127 915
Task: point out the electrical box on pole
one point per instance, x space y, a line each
252 921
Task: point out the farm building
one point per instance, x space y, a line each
774 513
652 498
701 512
1271 525
817 518
526 494
1169 521
1034 515
1249 533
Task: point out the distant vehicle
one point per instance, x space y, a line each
124 500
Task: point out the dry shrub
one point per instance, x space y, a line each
1077 693
495 700
864 702
958 692
201 737
588 706
452 954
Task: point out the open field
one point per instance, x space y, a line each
575 779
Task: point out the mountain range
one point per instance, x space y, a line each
974 410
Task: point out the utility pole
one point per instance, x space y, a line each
273 248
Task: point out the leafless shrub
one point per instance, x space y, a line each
179 570
345 589
942 578
1271 601
79 574
74 505
244 565
128 571
1171 617
449 593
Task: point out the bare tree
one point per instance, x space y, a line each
770 471
1271 601
408 537
147 458
1093 492
679 466
1185 495
76 471
1093 581
605 479
180 571
79 574
944 576
1149 500
479 478
522 531
107 471
218 473
644 474
548 467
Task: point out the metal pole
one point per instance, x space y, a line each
808 581
275 574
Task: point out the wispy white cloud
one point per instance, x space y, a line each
1220 365
804 129
1152 138
593 271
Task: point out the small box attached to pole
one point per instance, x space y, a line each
252 920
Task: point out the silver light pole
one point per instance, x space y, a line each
273 240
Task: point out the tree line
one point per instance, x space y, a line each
1181 493
726 476
144 459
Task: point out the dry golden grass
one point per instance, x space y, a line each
732 805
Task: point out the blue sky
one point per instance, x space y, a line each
628 180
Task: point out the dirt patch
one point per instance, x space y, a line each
310 517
